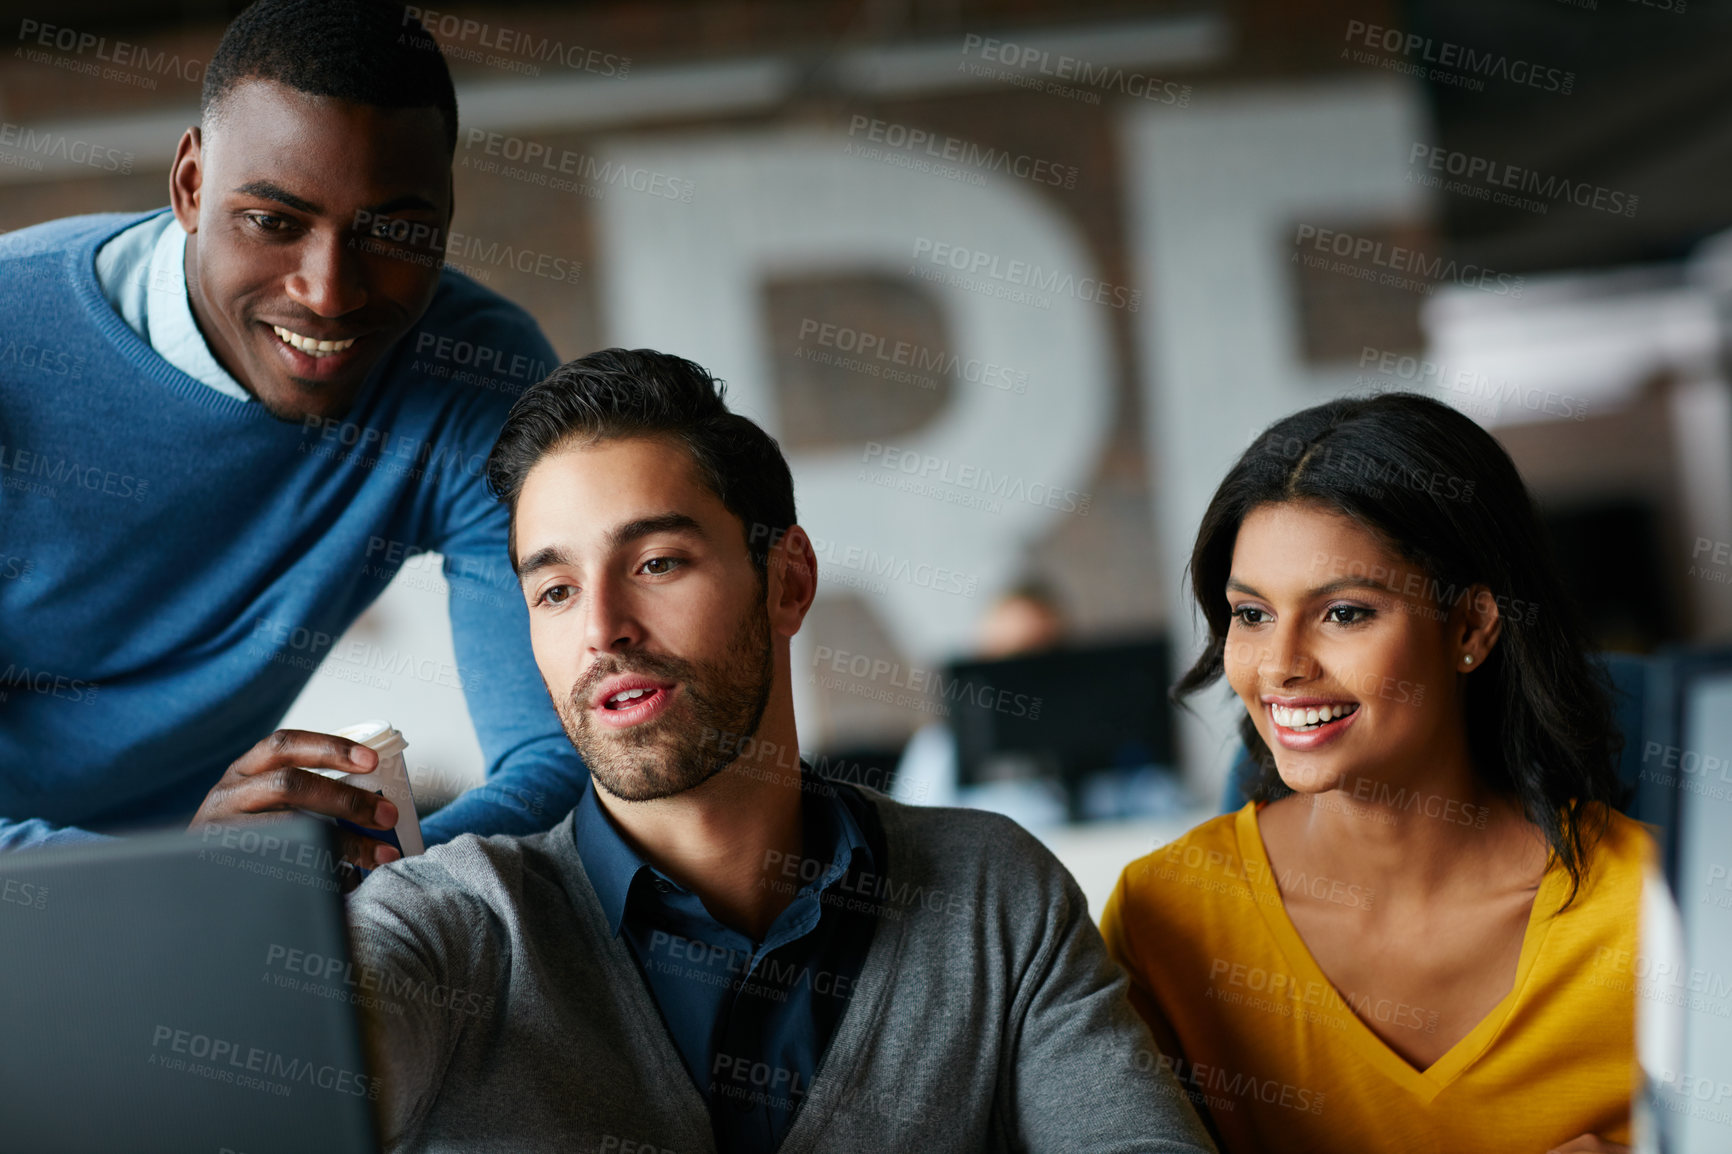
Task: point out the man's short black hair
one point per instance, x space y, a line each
618 393
364 51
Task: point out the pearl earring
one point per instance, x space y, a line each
1467 660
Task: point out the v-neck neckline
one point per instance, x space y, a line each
1424 1084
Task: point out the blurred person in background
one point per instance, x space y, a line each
1026 618
251 450
1404 941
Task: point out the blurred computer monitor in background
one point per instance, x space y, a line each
1685 982
1063 715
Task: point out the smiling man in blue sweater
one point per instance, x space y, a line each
220 436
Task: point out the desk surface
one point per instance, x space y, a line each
1096 852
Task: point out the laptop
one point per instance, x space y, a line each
181 992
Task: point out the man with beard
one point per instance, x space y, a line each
226 424
717 949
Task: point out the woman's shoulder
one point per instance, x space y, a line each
1621 853
1179 910
1602 910
1205 862
1211 841
1625 839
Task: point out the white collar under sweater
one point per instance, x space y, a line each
142 272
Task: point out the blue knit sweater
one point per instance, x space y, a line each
175 563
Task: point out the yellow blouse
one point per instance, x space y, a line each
1277 1060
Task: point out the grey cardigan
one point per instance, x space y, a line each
504 1016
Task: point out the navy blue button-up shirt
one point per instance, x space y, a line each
751 1019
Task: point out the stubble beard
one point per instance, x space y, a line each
679 750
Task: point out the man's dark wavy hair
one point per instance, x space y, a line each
618 393
1443 494
371 52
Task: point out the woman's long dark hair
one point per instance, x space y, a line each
1443 494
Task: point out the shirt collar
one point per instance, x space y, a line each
174 334
831 823
612 865
828 821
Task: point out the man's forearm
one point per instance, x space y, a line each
534 776
34 833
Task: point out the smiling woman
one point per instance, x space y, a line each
1400 943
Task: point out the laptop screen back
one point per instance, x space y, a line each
180 993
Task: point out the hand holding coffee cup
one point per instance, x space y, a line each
278 776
